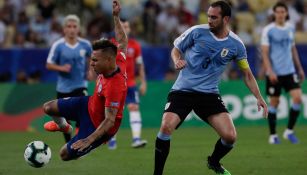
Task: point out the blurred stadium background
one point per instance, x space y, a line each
29 27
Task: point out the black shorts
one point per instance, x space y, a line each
288 82
75 93
203 104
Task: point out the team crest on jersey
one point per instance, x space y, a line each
99 88
82 52
224 52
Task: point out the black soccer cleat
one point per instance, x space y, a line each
217 167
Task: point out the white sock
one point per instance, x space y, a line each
288 131
61 121
135 123
113 138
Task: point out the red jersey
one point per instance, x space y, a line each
109 92
133 53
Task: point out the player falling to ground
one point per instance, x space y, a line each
134 58
201 54
99 115
280 58
69 56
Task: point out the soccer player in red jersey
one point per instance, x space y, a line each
134 62
99 115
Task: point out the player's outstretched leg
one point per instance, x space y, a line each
58 123
220 150
161 152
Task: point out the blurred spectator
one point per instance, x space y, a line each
22 25
185 17
99 26
2 32
55 32
151 11
303 23
40 26
167 23
202 12
20 42
242 6
46 8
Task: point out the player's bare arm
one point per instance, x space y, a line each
102 129
251 83
179 62
120 34
267 64
297 64
60 68
143 86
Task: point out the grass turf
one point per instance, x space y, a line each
189 148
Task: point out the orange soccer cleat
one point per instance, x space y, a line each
52 127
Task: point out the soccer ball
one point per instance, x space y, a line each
37 154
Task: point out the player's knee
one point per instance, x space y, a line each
166 128
230 137
48 107
274 103
64 154
297 100
133 107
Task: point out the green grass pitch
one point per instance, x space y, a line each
252 154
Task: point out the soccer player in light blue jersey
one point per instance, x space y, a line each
201 54
281 62
69 56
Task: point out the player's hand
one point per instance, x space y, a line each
261 104
143 88
301 75
273 78
66 68
180 64
81 144
116 7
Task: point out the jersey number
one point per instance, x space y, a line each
207 62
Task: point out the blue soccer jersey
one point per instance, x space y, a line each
77 56
280 41
206 57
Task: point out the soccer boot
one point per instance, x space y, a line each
217 167
274 139
290 135
138 143
52 127
112 145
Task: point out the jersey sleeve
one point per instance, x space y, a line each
241 51
138 54
185 40
53 56
89 50
265 37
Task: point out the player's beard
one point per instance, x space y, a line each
216 29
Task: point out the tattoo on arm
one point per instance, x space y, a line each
120 34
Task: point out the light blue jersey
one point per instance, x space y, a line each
77 56
280 41
206 57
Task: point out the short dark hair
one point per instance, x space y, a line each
225 7
283 5
105 45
